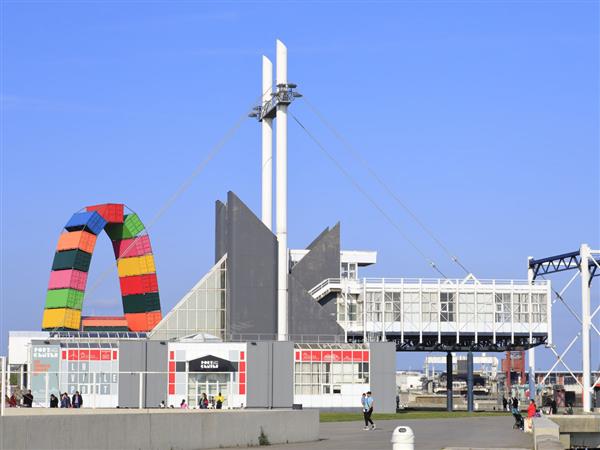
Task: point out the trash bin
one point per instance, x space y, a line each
403 438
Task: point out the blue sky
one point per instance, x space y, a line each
482 116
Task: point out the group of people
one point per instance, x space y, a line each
26 400
204 402
512 405
67 402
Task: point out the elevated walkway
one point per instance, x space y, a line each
422 314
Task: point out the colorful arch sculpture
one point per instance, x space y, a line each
135 263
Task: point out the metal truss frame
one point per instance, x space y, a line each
587 262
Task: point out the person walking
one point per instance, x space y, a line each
504 403
53 401
77 401
368 411
220 400
531 409
553 407
183 404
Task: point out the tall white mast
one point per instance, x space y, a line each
281 198
267 146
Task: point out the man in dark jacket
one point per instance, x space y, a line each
77 400
28 399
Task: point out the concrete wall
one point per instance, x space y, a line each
156 383
270 375
383 375
132 357
154 429
283 374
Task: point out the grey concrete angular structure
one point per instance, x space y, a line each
308 319
251 250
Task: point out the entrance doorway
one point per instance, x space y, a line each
209 383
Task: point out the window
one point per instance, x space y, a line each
521 306
466 308
392 307
374 306
429 307
349 308
411 307
349 271
447 306
503 311
538 308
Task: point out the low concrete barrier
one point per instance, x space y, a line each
155 429
579 431
545 434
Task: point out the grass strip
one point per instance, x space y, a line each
405 415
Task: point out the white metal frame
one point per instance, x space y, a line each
587 258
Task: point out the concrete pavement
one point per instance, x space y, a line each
430 434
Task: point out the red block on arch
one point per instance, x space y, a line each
111 212
139 284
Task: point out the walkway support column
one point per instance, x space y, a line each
449 380
585 253
470 382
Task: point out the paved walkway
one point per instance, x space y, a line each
430 434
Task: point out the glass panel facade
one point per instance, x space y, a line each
324 368
202 310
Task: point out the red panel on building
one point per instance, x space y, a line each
171 355
64 354
171 389
242 389
114 355
365 356
242 378
105 355
171 378
241 356
171 366
347 355
242 366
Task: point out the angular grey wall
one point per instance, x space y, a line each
322 261
132 357
383 375
306 316
220 230
251 271
156 383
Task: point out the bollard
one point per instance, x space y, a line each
403 438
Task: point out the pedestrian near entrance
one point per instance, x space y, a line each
553 407
77 401
220 400
504 403
367 403
53 401
183 404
